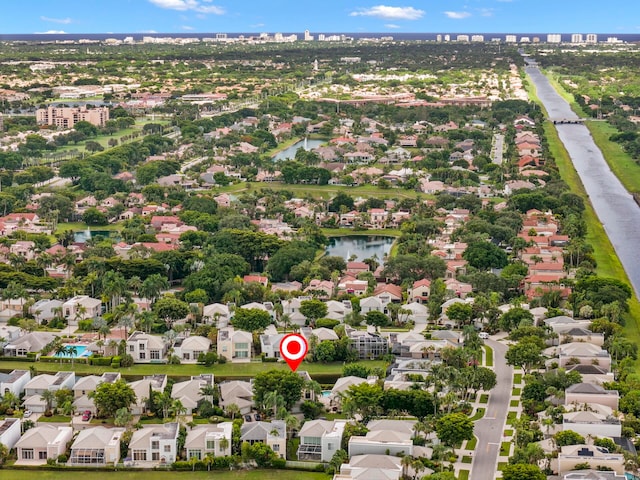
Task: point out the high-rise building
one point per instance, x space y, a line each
592 38
438 38
576 38
554 38
510 39
462 38
67 117
307 36
447 38
525 40
477 38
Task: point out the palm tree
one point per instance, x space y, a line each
114 286
152 287
61 351
48 396
72 351
146 320
406 462
224 444
273 400
178 408
232 410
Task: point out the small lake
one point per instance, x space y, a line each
84 235
290 152
362 246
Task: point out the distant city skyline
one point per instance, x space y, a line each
384 16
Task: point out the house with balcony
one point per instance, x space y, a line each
81 307
235 345
320 439
154 444
273 434
146 348
96 447
209 440
190 393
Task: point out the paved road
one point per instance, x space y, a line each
498 148
489 429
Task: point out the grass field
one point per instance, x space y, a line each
511 417
484 398
620 163
514 403
515 392
128 475
488 356
479 414
230 370
517 378
463 475
471 444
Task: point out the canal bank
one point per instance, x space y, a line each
605 252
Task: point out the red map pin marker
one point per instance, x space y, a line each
293 348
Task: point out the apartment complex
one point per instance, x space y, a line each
67 117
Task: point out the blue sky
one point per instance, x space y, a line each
142 16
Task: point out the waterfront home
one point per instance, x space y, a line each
190 393
209 440
272 434
320 439
235 345
146 348
40 443
155 444
96 447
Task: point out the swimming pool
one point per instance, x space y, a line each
80 353
326 393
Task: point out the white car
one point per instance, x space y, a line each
27 414
483 335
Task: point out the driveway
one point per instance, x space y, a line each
489 429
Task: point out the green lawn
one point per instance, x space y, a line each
508 433
505 447
511 417
517 378
232 370
479 414
467 459
514 403
501 465
488 356
484 398
516 391
471 444
55 418
463 475
620 163
129 475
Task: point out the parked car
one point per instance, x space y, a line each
86 415
483 335
247 418
27 413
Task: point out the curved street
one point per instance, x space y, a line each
489 429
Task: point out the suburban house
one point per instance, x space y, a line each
368 345
581 352
41 443
592 424
596 457
38 384
366 467
45 309
189 349
270 343
320 439
32 342
419 291
96 447
14 382
235 345
190 391
237 392
581 393
145 348
156 444
142 389
217 314
213 440
81 307
382 442
9 432
273 434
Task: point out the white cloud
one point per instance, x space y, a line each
185 5
187 27
389 13
457 15
51 32
486 12
64 21
391 25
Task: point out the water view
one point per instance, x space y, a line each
290 152
84 235
361 246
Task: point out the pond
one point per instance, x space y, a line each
290 152
84 235
362 246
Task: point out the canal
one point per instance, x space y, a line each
290 152
612 203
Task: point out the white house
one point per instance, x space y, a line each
45 309
155 443
9 432
235 345
190 391
96 447
270 343
237 392
216 314
145 348
155 383
81 307
365 467
382 442
189 349
273 434
38 384
15 382
41 443
32 342
592 424
320 439
214 440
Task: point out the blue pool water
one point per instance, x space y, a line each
326 393
82 352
